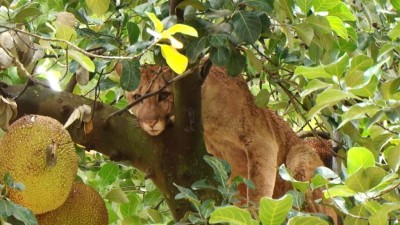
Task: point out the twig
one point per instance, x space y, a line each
89 54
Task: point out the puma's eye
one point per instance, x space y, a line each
136 96
163 95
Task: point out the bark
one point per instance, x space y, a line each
174 157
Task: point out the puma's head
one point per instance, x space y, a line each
156 112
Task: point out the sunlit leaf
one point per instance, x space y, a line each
358 112
117 195
360 212
232 215
339 67
339 191
156 22
175 60
359 157
392 157
307 220
274 211
99 7
305 32
324 5
394 33
312 72
108 173
305 5
82 59
342 12
183 29
319 23
337 26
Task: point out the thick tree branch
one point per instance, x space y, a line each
175 156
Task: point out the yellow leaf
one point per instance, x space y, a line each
157 23
175 60
182 28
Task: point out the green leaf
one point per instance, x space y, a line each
359 157
360 212
195 48
108 174
312 86
331 96
6 208
305 32
27 14
117 195
154 215
188 194
221 169
24 215
339 67
98 7
285 6
358 112
337 26
368 89
312 72
364 179
261 5
247 26
82 59
319 23
232 215
194 3
64 32
342 12
284 173
218 40
307 220
324 5
395 32
253 60
132 206
133 32
130 77
392 157
395 4
273 212
236 63
339 191
378 219
219 56
304 5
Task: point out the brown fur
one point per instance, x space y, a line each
254 141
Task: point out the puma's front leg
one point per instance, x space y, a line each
262 168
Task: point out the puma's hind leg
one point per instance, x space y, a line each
302 161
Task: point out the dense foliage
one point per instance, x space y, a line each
329 65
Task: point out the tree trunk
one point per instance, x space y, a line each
173 157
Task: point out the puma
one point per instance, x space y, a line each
254 141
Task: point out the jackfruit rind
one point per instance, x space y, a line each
23 152
84 206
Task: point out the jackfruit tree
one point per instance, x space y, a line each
329 66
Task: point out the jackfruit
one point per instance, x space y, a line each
84 206
40 154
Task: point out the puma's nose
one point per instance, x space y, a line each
152 123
